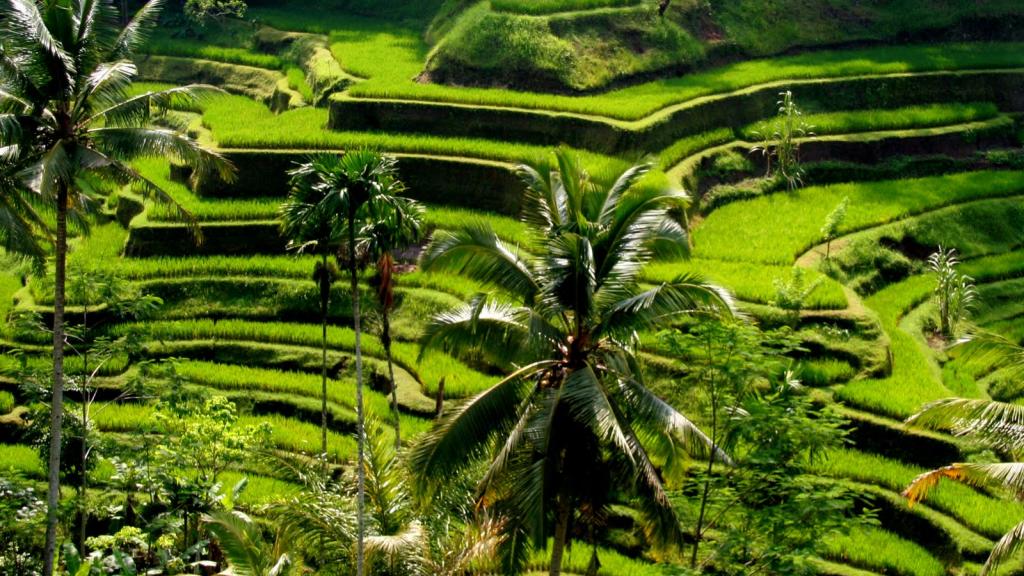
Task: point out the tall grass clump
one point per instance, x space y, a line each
22 460
877 549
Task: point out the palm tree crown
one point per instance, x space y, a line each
574 412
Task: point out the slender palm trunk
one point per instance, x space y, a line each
386 341
57 407
83 486
699 532
563 512
325 295
360 417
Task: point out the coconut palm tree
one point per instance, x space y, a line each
391 227
352 184
573 417
65 69
996 424
312 221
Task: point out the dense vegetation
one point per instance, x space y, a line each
415 288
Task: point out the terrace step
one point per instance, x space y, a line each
660 129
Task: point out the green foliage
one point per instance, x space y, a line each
987 515
913 372
791 294
202 10
460 380
785 516
954 291
7 402
297 81
22 521
833 222
205 435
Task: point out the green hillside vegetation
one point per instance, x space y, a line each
589 45
703 244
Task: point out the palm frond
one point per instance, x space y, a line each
477 252
1007 546
998 424
138 110
242 543
400 552
666 424
25 30
466 432
320 520
622 184
105 86
494 329
544 202
993 351
588 404
1009 475
128 143
136 32
686 294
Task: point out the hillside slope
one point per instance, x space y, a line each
581 45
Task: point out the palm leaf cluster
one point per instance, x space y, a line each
401 539
998 425
573 419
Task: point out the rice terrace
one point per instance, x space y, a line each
475 287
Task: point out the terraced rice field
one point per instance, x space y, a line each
245 325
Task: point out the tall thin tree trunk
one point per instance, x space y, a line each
699 532
563 512
83 488
57 407
360 417
325 295
386 341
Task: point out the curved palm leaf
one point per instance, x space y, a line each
1007 546
686 294
466 432
478 253
242 543
1008 475
998 424
501 332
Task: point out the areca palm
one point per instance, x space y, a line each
65 69
312 221
351 186
997 424
391 227
573 416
